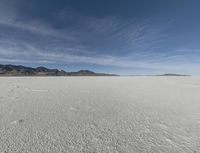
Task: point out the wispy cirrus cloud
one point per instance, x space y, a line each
82 39
36 56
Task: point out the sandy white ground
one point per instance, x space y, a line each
100 114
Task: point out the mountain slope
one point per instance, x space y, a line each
19 70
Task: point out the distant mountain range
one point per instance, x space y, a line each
19 70
172 74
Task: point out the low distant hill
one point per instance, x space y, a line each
172 74
19 70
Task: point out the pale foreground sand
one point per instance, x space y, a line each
100 114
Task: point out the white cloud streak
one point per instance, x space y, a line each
37 56
74 45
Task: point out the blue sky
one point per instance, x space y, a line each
115 36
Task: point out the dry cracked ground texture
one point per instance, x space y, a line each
100 114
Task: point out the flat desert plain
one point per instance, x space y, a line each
100 114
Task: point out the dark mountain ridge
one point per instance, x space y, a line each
19 70
173 74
